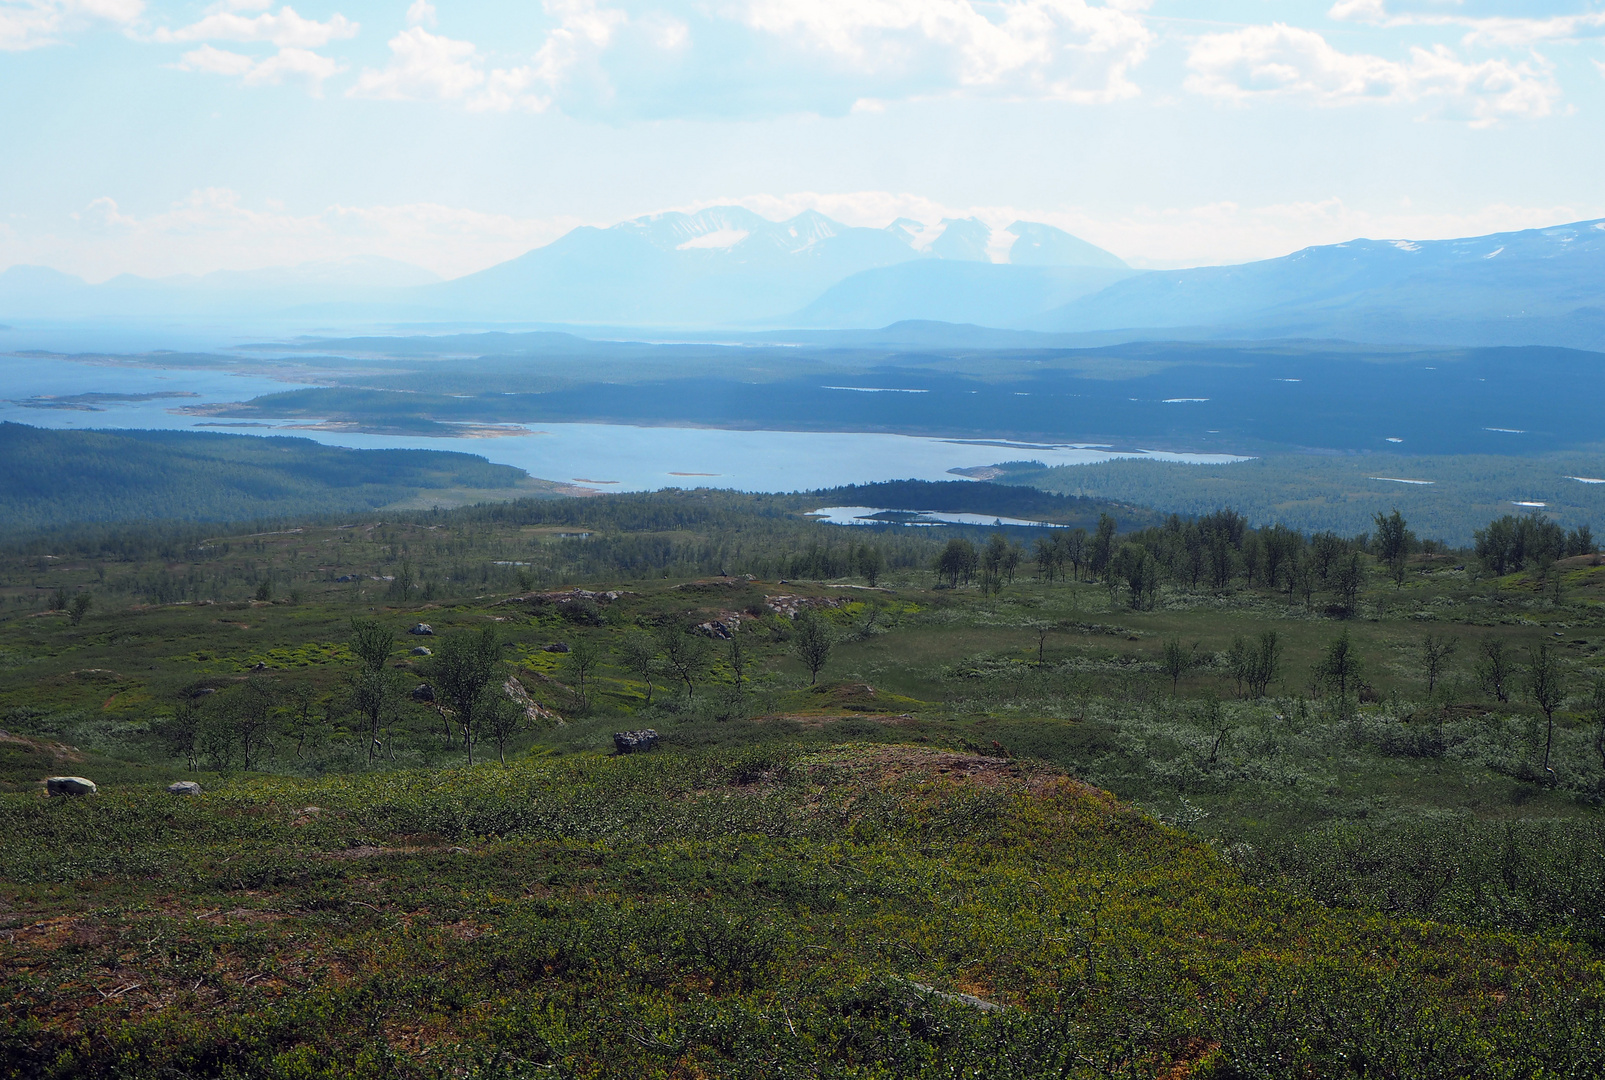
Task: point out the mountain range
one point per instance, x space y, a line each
1536 286
722 266
728 267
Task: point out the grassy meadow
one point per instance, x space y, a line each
1008 822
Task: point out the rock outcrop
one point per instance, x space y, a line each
634 742
789 606
537 714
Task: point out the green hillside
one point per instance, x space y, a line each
1026 817
54 477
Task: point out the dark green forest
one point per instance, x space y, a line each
1316 491
54 477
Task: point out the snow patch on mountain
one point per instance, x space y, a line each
716 240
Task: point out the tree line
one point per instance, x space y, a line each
1221 550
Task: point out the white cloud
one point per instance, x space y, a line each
270 71
294 35
657 58
286 29
29 24
1068 50
584 30
1263 61
1494 30
429 67
421 13
1371 11
215 61
214 229
1533 31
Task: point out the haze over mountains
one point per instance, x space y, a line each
723 266
1533 287
38 292
727 267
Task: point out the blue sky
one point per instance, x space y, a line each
160 137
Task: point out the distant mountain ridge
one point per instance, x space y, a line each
729 267
1533 286
721 266
726 265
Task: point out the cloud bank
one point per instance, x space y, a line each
31 24
759 57
1287 61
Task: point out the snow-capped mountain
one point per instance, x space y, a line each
728 265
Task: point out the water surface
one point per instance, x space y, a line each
609 457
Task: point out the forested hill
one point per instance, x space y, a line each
55 478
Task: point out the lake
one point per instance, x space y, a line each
608 457
880 515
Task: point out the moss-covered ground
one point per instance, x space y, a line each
984 800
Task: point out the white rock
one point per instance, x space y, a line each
69 785
634 742
184 787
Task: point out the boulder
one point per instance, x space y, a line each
960 999
423 692
184 787
69 785
421 650
422 629
558 646
633 742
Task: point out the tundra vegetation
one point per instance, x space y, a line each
1192 798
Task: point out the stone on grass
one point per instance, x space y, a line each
422 629
633 742
421 650
69 785
960 999
423 692
184 787
558 647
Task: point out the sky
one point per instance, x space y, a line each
159 137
